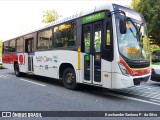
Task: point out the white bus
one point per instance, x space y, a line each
105 46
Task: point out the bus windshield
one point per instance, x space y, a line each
134 44
130 45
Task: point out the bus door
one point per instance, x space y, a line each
91 46
29 50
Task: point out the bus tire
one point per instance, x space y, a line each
16 70
69 79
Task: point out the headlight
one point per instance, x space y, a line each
123 69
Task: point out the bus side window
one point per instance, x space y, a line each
65 35
87 39
45 39
12 46
97 37
5 47
108 37
107 46
20 45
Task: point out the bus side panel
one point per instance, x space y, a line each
23 62
67 56
8 60
21 58
8 66
47 63
106 75
82 68
40 61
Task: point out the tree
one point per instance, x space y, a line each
150 10
50 16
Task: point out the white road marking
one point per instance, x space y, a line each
150 93
154 100
7 76
33 82
153 86
131 98
4 76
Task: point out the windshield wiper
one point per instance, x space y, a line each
132 32
140 34
129 19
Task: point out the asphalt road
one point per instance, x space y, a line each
34 93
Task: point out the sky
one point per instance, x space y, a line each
20 16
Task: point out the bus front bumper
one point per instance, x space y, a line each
138 81
120 81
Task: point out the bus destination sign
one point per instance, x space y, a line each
93 17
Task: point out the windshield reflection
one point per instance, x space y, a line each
132 45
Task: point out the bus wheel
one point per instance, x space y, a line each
69 79
16 70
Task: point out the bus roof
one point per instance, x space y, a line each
93 9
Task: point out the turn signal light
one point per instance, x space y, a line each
106 75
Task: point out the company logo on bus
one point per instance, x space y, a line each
43 58
134 72
21 58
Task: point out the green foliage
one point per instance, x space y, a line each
154 47
155 63
150 10
128 6
50 16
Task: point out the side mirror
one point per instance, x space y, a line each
122 26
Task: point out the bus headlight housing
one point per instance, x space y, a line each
123 69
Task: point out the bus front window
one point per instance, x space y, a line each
130 46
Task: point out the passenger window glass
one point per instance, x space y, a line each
12 46
108 40
108 37
45 39
65 35
87 38
97 37
20 45
5 47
